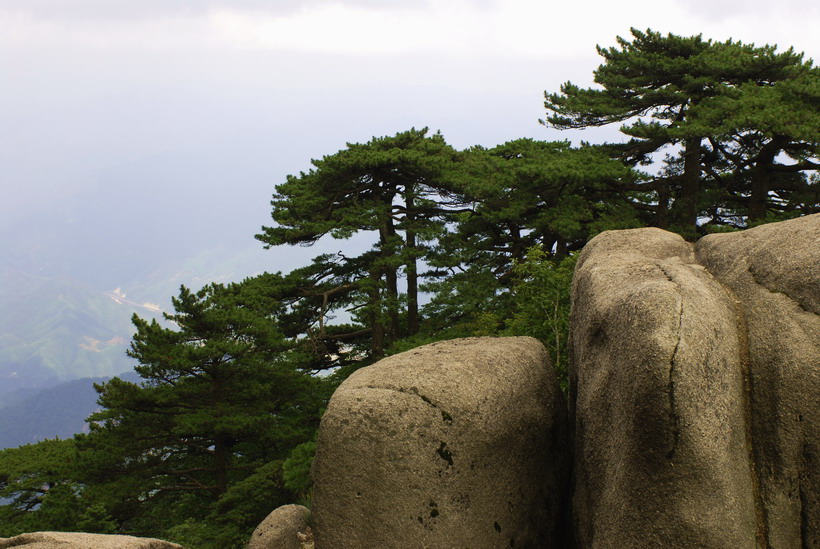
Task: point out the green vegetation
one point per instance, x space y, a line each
395 188
52 315
744 120
221 428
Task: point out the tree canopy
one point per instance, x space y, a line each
220 398
395 189
721 104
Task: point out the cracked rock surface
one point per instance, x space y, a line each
454 444
695 389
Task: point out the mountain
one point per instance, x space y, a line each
54 329
57 328
74 271
121 240
58 411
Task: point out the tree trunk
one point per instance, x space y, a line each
760 190
761 175
662 213
220 464
517 250
387 237
220 444
376 326
690 183
411 265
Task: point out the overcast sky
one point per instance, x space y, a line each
250 90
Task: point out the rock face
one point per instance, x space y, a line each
774 270
281 528
454 444
695 389
70 540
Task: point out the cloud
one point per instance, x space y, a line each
460 28
369 27
338 29
732 10
785 23
135 10
379 28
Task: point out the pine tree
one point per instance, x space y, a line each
394 188
38 483
668 90
766 132
523 194
220 397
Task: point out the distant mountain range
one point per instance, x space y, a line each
74 270
54 329
73 273
58 336
58 411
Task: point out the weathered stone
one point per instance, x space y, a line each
658 400
694 395
281 528
774 270
71 540
454 444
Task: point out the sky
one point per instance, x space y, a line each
219 100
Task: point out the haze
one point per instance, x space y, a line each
149 125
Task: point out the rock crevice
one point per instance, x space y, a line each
674 418
737 315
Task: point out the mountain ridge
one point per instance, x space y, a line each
59 411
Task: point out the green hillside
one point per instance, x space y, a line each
55 329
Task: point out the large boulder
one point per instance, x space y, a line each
71 540
282 528
454 444
774 270
658 399
694 394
